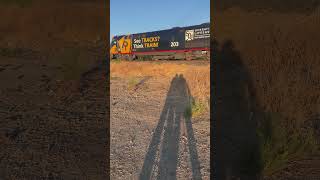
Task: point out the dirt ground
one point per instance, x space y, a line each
151 134
52 128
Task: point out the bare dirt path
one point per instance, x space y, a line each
152 137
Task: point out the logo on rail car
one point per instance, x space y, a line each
124 44
200 33
189 35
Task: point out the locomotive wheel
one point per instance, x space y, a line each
121 57
125 57
117 56
131 57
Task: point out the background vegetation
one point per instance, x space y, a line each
280 52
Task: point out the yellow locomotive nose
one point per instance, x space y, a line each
120 46
113 47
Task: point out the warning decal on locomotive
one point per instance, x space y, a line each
149 42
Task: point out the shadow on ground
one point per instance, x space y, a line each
236 144
176 113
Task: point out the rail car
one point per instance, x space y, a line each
191 42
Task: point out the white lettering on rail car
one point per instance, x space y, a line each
174 44
136 46
137 41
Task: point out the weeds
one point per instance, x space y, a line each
198 108
113 78
116 61
143 58
133 82
279 144
195 109
8 52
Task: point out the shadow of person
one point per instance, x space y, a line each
236 145
176 111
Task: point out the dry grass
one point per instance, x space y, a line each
60 21
280 52
197 77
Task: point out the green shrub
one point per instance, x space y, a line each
196 108
117 61
133 81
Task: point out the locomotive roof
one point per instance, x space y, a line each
203 24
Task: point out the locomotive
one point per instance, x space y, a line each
176 43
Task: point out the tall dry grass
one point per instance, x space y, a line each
281 53
49 24
197 77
